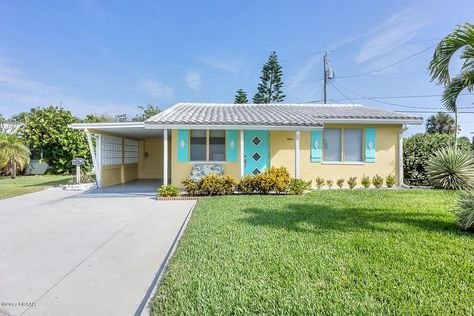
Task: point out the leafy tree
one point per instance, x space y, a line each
148 111
419 149
19 118
270 88
94 118
47 130
440 123
14 154
461 38
241 97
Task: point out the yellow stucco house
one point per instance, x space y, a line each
327 140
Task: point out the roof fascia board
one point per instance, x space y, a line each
106 125
247 127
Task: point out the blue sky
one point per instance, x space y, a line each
111 56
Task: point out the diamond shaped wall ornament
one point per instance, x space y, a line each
256 140
182 143
256 156
232 144
316 144
255 171
371 145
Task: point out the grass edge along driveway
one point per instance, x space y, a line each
328 252
28 184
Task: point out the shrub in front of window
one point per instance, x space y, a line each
191 187
320 182
365 182
246 185
451 169
352 182
167 191
465 212
377 181
298 186
340 183
212 184
419 149
390 181
329 183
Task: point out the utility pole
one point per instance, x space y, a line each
325 96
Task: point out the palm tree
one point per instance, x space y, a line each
14 154
441 123
460 38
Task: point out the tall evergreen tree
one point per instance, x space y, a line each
270 88
241 97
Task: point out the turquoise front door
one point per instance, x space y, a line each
256 151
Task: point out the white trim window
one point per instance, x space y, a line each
342 145
197 145
217 145
352 145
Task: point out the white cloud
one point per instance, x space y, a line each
227 65
193 80
399 28
156 89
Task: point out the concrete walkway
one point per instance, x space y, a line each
69 253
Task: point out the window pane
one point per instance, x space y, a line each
332 144
352 144
198 145
217 145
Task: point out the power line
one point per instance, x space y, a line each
388 66
443 111
342 93
403 96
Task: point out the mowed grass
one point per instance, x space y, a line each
385 252
28 184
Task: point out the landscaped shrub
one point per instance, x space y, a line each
451 169
298 186
340 183
167 190
191 187
377 181
246 185
319 182
329 183
352 182
229 184
390 181
365 182
272 180
419 149
465 211
212 184
85 178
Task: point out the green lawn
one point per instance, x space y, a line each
385 252
27 184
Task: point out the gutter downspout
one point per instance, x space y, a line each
400 157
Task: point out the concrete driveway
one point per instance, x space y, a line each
69 253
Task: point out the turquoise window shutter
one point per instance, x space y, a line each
370 141
183 145
316 146
231 145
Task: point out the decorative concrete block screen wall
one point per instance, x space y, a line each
131 151
111 150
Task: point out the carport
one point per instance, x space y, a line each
125 152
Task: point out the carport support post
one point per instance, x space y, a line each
165 157
95 159
297 154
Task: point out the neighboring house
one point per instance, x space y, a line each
331 141
36 165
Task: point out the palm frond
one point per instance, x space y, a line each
439 65
451 93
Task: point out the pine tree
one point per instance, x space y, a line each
270 88
241 97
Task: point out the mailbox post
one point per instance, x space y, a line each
78 162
